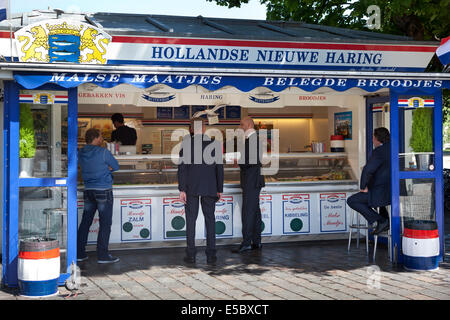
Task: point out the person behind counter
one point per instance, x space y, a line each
125 135
96 164
251 183
198 177
375 184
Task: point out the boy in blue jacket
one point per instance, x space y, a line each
97 165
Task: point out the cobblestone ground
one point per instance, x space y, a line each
300 271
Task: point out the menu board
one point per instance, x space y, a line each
221 113
181 112
167 143
164 113
196 109
233 112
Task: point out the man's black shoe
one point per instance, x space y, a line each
211 259
381 227
242 249
257 246
189 259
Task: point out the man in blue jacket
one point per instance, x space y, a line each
375 184
97 165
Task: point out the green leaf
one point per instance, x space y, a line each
27 143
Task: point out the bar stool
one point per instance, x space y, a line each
384 234
358 226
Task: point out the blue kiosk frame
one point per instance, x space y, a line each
249 81
396 123
12 182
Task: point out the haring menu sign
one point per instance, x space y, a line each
265 205
224 217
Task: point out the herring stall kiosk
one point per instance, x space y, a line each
70 72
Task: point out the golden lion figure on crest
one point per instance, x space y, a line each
87 41
40 41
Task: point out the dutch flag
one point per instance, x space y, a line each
3 7
443 52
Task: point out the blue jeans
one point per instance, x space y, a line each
101 200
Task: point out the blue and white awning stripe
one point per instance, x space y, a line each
214 82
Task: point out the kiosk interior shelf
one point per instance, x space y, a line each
293 168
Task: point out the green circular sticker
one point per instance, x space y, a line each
220 227
127 226
296 224
145 233
178 223
262 226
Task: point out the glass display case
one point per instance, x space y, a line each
293 168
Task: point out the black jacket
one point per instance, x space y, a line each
126 135
376 176
200 179
251 168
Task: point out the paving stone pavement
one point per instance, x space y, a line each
280 271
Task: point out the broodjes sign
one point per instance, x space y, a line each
32 80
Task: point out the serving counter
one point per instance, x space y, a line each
305 200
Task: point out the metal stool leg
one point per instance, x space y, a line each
350 230
359 233
375 247
349 238
367 237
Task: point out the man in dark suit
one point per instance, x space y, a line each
251 183
375 184
200 175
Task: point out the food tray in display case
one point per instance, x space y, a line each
293 168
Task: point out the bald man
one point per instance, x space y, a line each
251 183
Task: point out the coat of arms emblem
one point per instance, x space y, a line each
62 41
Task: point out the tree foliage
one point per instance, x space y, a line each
27 143
419 19
422 130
